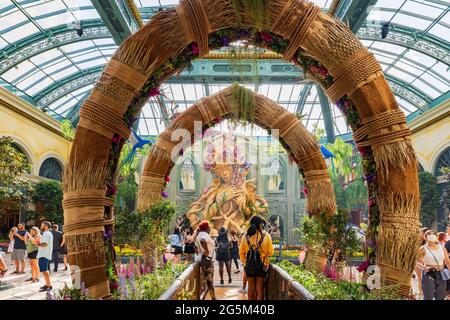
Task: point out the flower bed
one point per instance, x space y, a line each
134 283
149 285
324 288
127 251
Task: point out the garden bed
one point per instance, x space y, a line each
324 288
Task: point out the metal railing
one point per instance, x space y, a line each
280 286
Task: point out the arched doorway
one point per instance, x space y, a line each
327 51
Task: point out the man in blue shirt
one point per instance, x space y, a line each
44 255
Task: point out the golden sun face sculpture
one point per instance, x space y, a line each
231 200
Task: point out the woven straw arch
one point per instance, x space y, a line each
355 72
268 114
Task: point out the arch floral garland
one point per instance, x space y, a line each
165 45
277 44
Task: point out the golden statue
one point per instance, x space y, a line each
231 200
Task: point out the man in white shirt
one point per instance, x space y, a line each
45 250
206 245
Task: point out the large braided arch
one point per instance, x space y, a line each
157 51
269 115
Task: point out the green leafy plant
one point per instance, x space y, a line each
350 193
430 198
324 288
47 196
67 293
148 286
67 129
313 233
152 231
15 188
331 236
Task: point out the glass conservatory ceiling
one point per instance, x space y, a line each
43 60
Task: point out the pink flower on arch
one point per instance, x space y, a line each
266 37
153 92
305 191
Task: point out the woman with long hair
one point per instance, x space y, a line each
432 260
33 236
234 250
223 253
255 252
176 243
189 245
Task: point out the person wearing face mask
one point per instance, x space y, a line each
432 259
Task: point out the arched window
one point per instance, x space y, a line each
51 168
276 180
187 176
442 163
442 173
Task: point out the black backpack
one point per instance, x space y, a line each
254 265
223 245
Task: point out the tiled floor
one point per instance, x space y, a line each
14 286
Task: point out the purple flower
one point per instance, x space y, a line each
123 286
225 41
195 49
371 243
246 164
165 194
111 189
84 290
369 177
49 295
244 32
107 235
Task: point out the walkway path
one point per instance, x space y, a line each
14 286
228 291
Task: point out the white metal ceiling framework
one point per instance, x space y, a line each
44 59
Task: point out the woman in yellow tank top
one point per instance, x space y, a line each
256 246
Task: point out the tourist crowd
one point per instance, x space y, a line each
40 246
253 248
